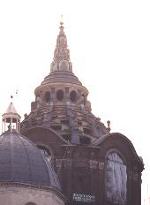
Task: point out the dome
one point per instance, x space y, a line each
22 162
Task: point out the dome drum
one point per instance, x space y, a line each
61 94
10 118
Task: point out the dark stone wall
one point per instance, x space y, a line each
81 168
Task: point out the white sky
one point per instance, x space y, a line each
109 43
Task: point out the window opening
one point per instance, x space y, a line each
73 96
115 179
60 95
47 97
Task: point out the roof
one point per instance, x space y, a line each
22 162
11 108
11 112
61 77
104 138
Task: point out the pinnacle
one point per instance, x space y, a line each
61 60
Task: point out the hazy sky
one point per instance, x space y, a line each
109 43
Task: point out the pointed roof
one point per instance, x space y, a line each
11 108
11 112
61 60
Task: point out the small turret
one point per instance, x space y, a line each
11 119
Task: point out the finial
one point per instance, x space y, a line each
108 125
61 20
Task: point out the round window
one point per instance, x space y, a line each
47 97
73 96
60 95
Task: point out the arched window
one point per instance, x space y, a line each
115 179
60 95
47 97
73 96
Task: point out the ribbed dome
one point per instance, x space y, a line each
22 162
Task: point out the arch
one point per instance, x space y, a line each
60 95
73 96
115 178
47 97
114 150
41 135
113 139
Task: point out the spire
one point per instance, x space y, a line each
61 60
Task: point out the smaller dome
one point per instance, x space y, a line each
22 162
